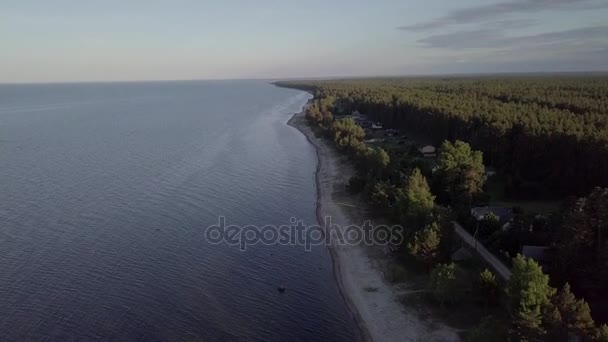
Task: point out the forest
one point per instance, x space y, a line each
547 134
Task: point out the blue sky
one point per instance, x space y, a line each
62 40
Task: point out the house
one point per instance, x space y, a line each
504 215
490 172
363 122
461 254
537 253
376 125
428 151
391 132
360 119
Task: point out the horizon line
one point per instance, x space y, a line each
277 79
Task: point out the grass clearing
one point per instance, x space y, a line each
496 189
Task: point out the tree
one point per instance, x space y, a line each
574 314
582 243
445 283
488 287
382 195
548 135
378 162
319 114
347 133
460 170
601 334
529 295
425 245
416 199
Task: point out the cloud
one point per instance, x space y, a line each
486 12
496 38
581 49
489 38
527 61
511 24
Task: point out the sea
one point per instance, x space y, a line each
107 194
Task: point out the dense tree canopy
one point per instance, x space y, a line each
347 132
549 134
581 249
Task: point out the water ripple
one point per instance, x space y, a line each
106 193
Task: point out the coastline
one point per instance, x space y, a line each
298 122
379 314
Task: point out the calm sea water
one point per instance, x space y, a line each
105 194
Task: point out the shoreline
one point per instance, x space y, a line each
378 314
364 334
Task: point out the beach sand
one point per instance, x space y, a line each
372 300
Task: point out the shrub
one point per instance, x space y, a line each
446 284
489 329
488 287
382 195
425 244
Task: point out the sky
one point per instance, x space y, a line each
118 40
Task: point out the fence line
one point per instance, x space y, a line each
501 269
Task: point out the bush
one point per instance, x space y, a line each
489 329
382 196
425 244
446 284
488 287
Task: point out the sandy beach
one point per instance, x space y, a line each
378 312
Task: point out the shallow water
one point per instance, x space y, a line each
105 194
